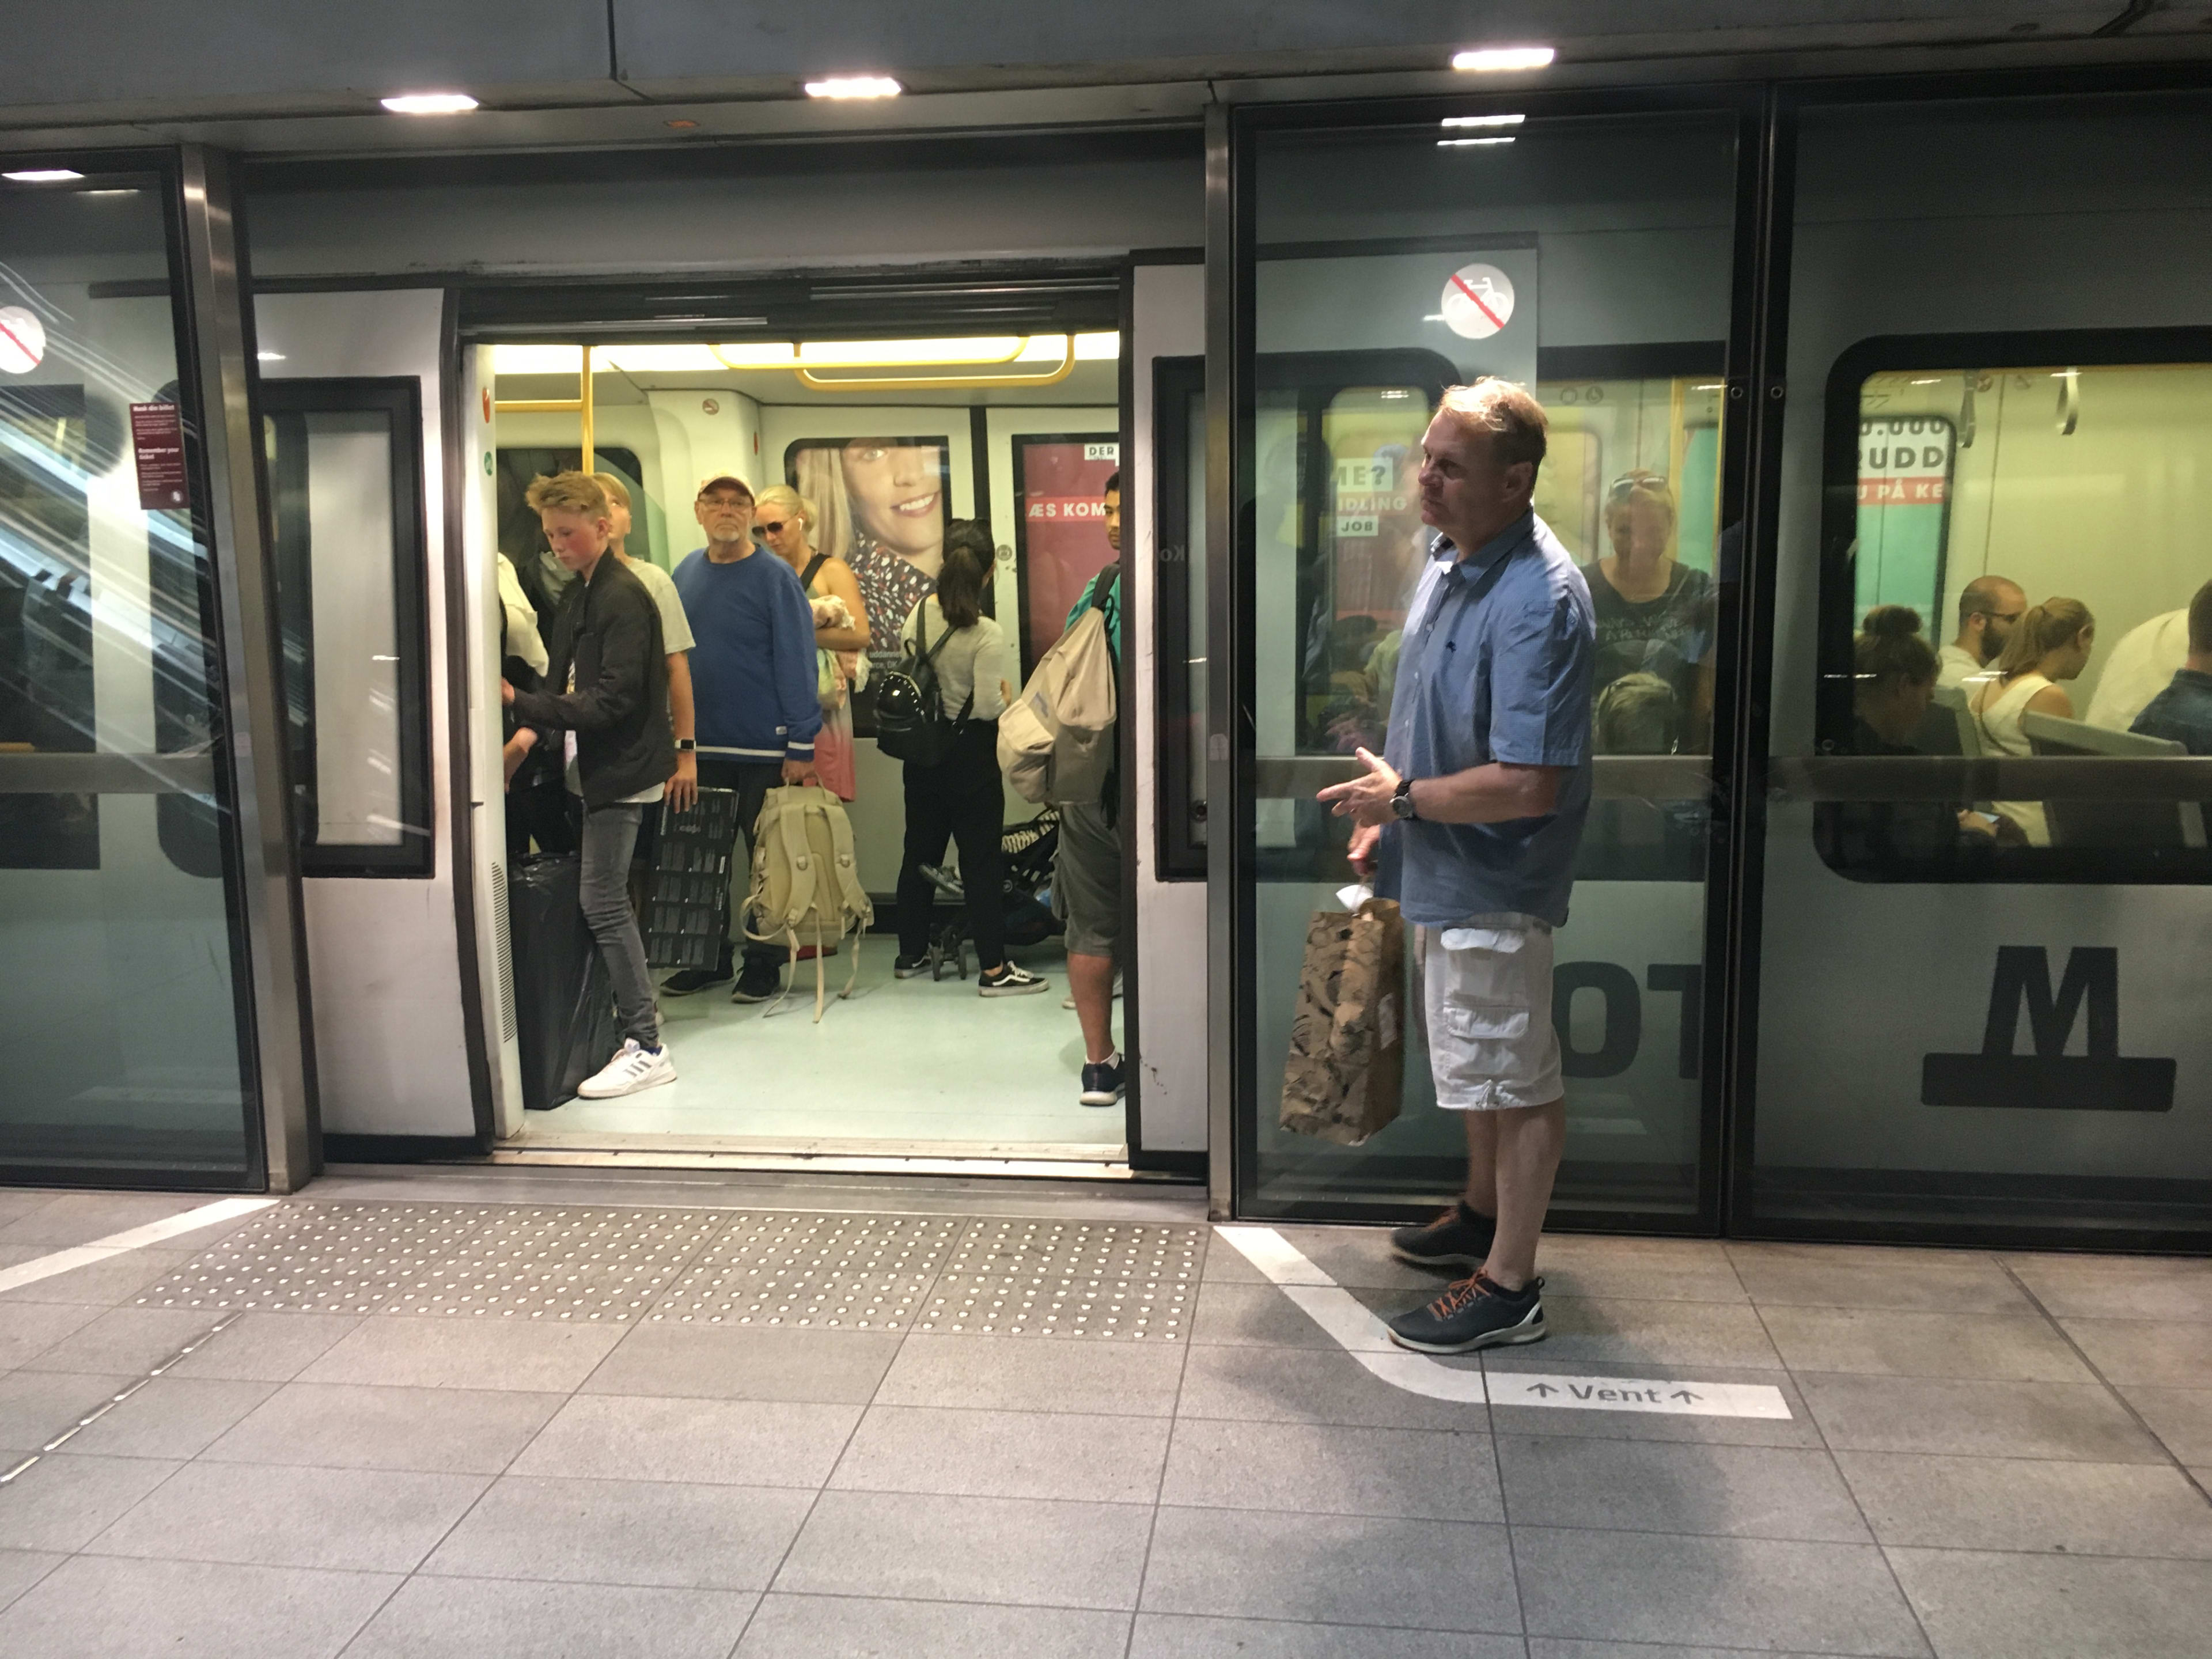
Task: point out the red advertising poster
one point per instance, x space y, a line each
157 440
1060 528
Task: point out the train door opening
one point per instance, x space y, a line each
865 451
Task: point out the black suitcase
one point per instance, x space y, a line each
564 1002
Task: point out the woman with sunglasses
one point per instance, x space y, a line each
784 524
1654 614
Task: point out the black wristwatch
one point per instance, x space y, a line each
1401 800
686 745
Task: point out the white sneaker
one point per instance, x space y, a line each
635 1067
1068 1001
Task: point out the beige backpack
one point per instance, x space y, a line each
1056 741
806 884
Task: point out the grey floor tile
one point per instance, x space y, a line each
63 1503
1358 1258
979 1454
811 1626
920 1546
36 1405
17 1202
1889 1342
1331 1568
2118 1286
421 1351
1548 1647
441 1431
20 1569
1976 1419
720 1362
171 1417
69 1219
1254 1316
1872 1276
28 1330
1227 1264
1648 1485
133 1340
1333 1470
110 1607
624 1532
2030 1504
739 1442
486 1618
1797 1429
2180 1416
2166 1352
108 1283
266 1347
2043 1606
367 1520
1637 1279
1183 1636
994 1373
1721 1592
1653 1334
1294 1385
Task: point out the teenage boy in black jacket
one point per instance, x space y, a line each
605 650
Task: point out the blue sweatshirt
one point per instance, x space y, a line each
753 675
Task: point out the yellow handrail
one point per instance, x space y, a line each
580 404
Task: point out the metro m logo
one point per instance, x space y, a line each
2099 1080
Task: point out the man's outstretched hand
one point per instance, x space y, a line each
1364 800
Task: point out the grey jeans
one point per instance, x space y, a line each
603 892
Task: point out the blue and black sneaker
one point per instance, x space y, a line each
1459 1237
1474 1313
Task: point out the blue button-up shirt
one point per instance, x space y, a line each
1496 667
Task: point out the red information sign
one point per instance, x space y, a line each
157 440
1061 537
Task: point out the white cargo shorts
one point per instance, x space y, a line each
1486 1012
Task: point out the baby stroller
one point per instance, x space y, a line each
1025 851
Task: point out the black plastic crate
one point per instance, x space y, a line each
687 905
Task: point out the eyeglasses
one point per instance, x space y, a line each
1630 484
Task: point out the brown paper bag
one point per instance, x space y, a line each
1348 1055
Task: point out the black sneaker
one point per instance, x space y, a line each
909 967
757 985
1010 982
1474 1313
1102 1083
691 980
1459 1237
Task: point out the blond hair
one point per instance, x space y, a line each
819 472
784 496
568 492
1505 413
2045 629
618 491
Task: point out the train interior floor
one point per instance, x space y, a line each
901 1066
492 1413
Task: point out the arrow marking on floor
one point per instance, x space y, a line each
1362 1335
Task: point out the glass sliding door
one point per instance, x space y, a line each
118 891
1987 930
1590 255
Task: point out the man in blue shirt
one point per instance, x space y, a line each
1474 811
755 705
2182 712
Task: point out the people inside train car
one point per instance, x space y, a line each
2182 712
2141 666
1638 714
537 802
1086 875
1895 671
784 522
882 510
2050 645
962 797
753 680
675 639
1484 787
1654 614
611 713
1989 609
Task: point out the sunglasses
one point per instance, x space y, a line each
773 528
1635 484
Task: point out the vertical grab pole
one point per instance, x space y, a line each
585 404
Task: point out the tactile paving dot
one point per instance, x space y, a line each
1064 1278
561 1264
833 1271
322 1258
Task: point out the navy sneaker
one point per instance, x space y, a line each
909 967
1459 1237
691 980
1102 1083
757 985
1474 1313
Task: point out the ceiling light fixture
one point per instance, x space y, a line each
1490 59
1484 120
42 175
430 103
1468 144
855 86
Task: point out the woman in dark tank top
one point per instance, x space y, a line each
1654 613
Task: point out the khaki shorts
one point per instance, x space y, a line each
1486 1012
1086 881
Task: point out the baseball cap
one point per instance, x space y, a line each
730 478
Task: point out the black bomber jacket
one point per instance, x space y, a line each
608 629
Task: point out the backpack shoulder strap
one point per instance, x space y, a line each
814 564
